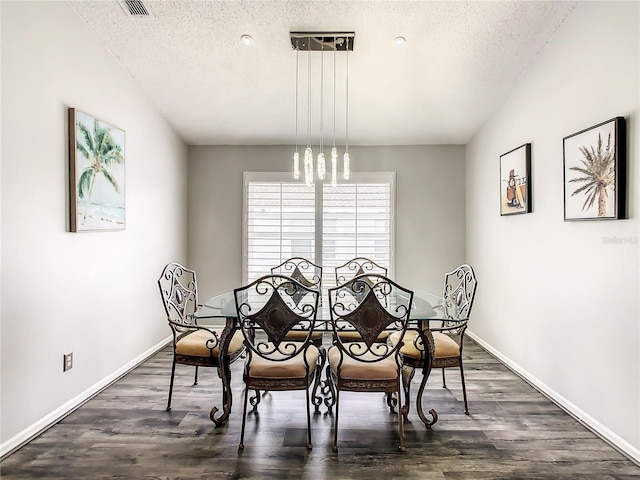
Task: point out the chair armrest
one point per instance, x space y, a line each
457 326
182 328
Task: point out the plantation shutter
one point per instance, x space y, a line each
357 222
280 224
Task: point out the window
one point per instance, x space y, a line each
327 225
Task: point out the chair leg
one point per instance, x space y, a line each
444 383
331 400
255 400
408 372
244 417
400 423
173 372
335 423
226 391
309 444
391 401
464 390
317 400
195 380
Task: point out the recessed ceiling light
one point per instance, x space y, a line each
399 41
247 39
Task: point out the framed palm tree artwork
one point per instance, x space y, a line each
515 181
96 174
595 172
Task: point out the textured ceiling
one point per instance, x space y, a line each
460 60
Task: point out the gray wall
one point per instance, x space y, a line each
430 228
557 300
93 294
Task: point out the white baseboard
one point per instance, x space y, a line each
47 421
587 420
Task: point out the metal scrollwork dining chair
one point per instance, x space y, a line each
310 275
447 340
268 309
193 344
370 305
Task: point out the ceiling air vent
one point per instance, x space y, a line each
134 8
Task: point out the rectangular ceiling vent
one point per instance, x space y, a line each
134 8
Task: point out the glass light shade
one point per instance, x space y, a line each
296 165
322 166
308 166
347 167
334 166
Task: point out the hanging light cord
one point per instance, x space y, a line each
309 98
335 47
322 97
297 51
347 116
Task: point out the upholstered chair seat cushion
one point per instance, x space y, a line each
301 335
445 345
260 367
195 343
352 369
353 336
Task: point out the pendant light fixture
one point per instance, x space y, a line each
319 42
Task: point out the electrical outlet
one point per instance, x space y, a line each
67 362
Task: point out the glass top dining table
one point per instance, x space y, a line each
425 306
220 311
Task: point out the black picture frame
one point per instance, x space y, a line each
515 181
595 172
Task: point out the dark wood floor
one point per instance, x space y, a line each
513 432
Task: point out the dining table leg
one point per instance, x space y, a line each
224 372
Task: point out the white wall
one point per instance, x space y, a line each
93 294
555 299
429 200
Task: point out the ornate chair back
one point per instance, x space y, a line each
179 290
302 270
358 266
369 304
270 308
458 293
